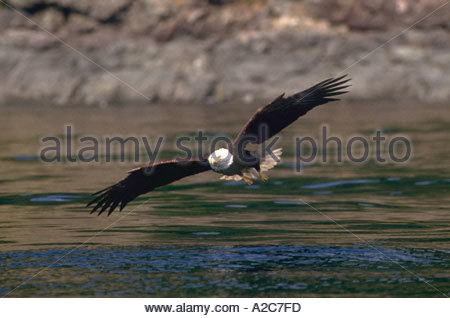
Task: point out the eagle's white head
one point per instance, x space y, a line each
220 160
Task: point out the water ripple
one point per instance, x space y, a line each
57 198
338 183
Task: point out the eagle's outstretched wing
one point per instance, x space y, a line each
145 179
284 111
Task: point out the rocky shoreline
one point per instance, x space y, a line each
106 52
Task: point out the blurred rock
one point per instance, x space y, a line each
51 19
79 23
101 10
381 14
122 51
146 14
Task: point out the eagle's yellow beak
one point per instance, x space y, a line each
213 161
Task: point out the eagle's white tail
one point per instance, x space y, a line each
267 163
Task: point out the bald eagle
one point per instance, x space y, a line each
277 115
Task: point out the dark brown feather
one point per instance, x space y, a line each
284 111
143 180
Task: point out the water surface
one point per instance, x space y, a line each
334 229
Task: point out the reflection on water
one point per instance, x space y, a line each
56 198
337 183
205 237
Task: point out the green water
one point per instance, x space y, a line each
334 229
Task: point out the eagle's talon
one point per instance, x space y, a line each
248 180
264 178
